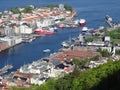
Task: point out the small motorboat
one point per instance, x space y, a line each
46 50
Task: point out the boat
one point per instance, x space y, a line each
46 50
65 44
110 22
44 31
84 29
74 26
82 22
76 22
61 26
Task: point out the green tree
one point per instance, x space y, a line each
117 51
68 7
52 6
27 9
90 39
104 52
15 10
76 62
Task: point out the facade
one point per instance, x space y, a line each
12 40
45 22
24 29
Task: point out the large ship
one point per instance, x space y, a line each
44 31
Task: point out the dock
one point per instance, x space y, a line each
5 69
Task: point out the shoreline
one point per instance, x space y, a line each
33 18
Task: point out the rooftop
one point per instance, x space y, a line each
71 54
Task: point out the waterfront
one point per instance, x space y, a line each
27 52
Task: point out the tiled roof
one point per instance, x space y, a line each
71 54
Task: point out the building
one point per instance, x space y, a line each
12 40
45 22
24 29
61 7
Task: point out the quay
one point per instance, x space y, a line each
26 24
5 69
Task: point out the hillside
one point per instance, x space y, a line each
104 77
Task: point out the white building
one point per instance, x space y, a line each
107 39
12 40
35 71
45 22
24 29
61 7
37 80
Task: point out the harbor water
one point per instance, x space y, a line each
93 11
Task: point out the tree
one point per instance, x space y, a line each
15 10
67 7
90 39
76 62
117 51
52 6
104 52
28 9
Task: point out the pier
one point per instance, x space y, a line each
5 69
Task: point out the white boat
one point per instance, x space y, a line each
46 50
82 22
65 44
84 29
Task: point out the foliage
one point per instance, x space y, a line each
64 83
52 6
27 9
49 85
76 62
114 34
100 78
104 52
117 51
90 39
0 15
115 41
67 7
82 63
1 26
15 10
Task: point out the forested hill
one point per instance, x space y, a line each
104 77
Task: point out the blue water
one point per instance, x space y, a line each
92 10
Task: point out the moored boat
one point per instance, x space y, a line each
82 22
65 44
110 22
84 29
61 26
44 31
46 50
74 26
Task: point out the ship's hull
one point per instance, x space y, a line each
44 32
61 26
